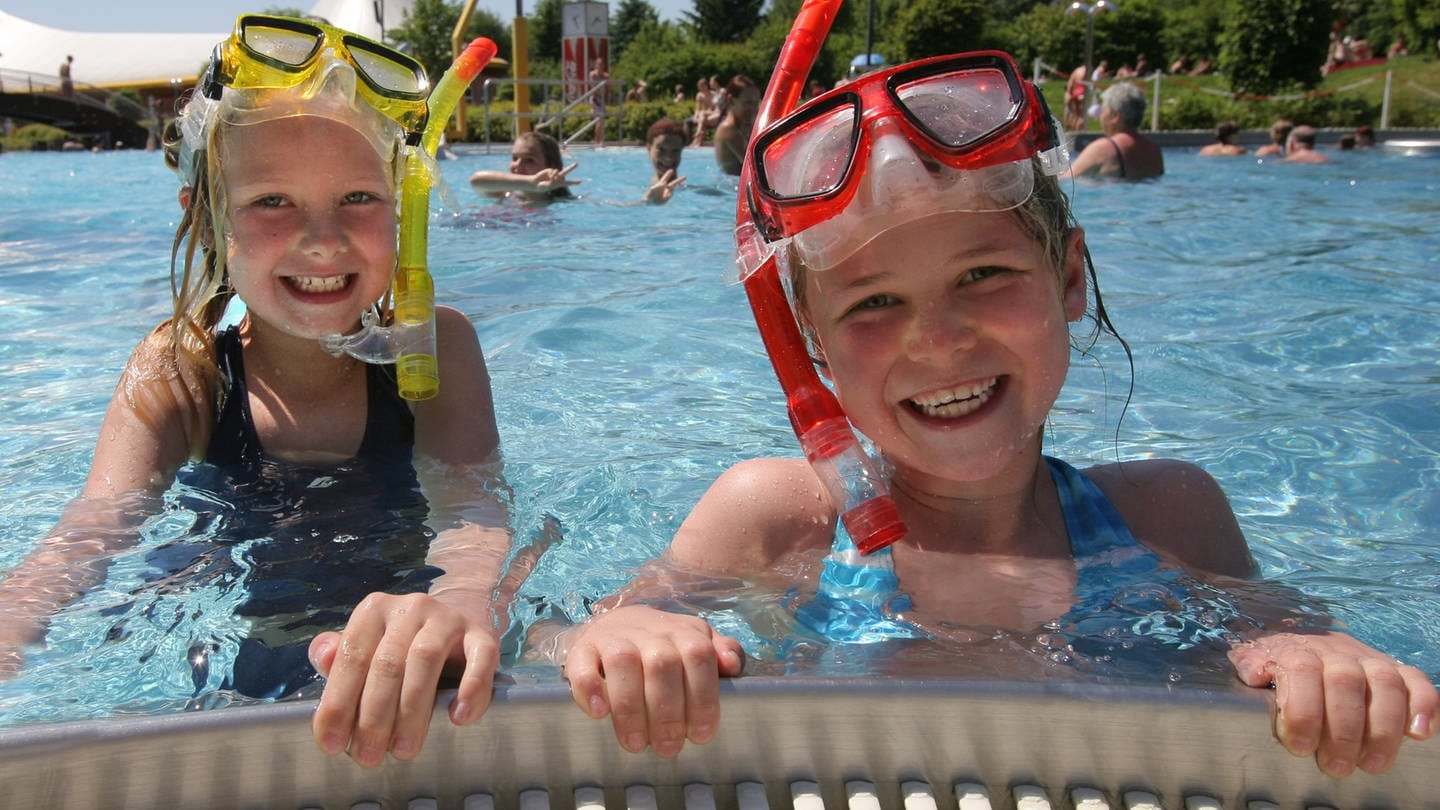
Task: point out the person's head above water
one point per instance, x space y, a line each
665 144
533 152
353 106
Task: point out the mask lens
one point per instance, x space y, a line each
960 107
285 46
385 69
811 159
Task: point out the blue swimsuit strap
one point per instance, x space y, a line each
858 596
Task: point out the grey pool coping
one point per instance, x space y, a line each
1173 742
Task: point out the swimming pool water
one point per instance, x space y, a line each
1283 320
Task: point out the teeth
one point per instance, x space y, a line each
319 284
956 401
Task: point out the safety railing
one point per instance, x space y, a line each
549 109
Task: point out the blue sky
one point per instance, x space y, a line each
206 16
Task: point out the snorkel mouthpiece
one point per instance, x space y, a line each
410 342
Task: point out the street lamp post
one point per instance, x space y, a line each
1090 10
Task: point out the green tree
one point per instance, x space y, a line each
933 27
546 31
629 20
1269 45
425 33
1192 29
724 20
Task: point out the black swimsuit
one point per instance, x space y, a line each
1119 155
303 544
389 425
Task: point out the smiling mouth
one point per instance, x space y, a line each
953 403
319 284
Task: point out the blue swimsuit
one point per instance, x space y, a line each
1121 583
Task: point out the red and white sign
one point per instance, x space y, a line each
585 45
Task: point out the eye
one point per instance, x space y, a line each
269 201
975 274
357 197
873 302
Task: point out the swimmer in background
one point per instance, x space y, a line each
293 173
1300 147
936 287
665 145
733 132
1075 90
1226 132
538 173
1279 137
1122 152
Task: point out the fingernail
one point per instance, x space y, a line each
1374 763
459 712
702 734
1339 767
1420 726
369 756
634 743
1302 746
668 749
597 706
403 747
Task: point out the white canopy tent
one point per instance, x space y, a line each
114 60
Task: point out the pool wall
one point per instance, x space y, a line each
1175 744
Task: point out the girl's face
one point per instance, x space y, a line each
947 342
311 223
526 157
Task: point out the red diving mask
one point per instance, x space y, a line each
949 133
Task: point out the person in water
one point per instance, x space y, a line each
538 173
290 173
665 145
1121 152
937 282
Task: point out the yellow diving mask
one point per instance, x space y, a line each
271 52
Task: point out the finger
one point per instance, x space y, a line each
1253 665
624 678
566 170
1385 722
587 686
667 176
1424 701
730 655
334 720
1345 687
677 182
702 688
665 695
482 656
1300 702
380 697
322 651
424 661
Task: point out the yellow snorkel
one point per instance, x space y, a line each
416 370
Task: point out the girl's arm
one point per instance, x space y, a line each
385 668
538 185
655 672
145 436
1345 703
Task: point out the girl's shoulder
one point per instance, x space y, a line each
1178 509
754 513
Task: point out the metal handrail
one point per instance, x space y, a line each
552 112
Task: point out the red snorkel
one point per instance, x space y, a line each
858 491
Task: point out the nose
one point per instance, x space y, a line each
324 237
937 330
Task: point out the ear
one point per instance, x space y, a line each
1072 275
